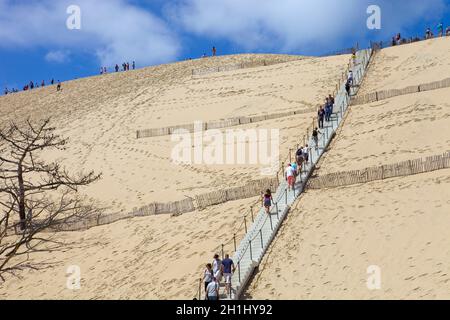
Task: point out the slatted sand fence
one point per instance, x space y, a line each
400 169
250 189
217 124
386 94
84 223
199 202
242 65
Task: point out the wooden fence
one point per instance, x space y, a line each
217 124
251 189
237 66
386 94
400 169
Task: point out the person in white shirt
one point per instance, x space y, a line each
207 275
290 176
217 268
306 153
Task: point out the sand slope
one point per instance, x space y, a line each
332 236
157 257
407 65
100 115
398 129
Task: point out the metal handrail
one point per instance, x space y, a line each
255 233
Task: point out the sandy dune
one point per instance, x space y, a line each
332 236
408 65
157 257
100 115
329 238
398 129
400 225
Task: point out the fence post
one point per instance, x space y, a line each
234 240
251 211
251 253
200 289
245 224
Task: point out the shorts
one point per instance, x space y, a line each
227 277
218 276
267 203
291 180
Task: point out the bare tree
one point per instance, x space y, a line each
35 195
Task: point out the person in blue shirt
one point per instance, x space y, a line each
228 270
328 110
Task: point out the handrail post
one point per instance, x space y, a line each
245 224
234 240
251 253
293 189
251 211
200 289
285 193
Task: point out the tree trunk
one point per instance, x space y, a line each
22 213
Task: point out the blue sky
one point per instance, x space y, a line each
36 45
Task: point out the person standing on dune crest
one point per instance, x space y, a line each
440 28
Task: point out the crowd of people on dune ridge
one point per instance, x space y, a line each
399 40
125 67
103 70
34 85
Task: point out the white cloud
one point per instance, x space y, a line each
59 56
120 30
114 30
290 25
